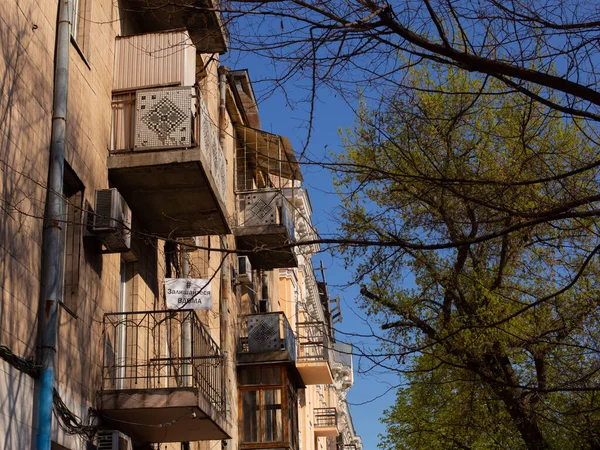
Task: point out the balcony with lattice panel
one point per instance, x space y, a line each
265 166
167 162
266 338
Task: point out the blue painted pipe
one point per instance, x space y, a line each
52 260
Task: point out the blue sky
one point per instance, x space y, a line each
369 396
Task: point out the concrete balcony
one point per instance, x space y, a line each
200 17
163 378
266 228
314 353
266 338
326 422
167 163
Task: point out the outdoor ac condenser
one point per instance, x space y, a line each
113 440
112 221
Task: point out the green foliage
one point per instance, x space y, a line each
484 206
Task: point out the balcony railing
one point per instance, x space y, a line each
268 333
313 342
342 354
325 417
265 207
162 349
171 117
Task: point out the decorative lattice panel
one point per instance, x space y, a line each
210 145
263 333
163 118
261 208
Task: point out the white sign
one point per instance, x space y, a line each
188 293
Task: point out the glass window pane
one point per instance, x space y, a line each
250 416
272 418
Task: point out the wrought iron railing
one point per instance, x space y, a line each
267 332
166 124
313 341
265 207
162 349
325 417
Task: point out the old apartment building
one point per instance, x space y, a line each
186 316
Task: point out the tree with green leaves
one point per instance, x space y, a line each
485 272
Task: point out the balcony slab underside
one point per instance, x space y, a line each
264 243
315 372
170 192
204 26
163 415
328 431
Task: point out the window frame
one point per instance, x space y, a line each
80 28
286 395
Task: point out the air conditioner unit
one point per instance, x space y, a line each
244 270
112 221
264 306
113 440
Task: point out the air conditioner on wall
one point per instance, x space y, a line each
112 221
244 270
113 440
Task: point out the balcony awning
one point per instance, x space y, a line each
271 152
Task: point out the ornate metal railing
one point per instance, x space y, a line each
175 117
162 349
265 207
267 332
209 142
325 417
313 342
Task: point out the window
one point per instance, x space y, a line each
266 399
262 416
80 28
272 415
251 414
71 234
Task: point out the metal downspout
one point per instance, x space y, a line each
186 336
223 307
223 71
51 240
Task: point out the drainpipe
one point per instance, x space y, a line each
186 336
223 307
223 71
224 330
51 243
186 332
